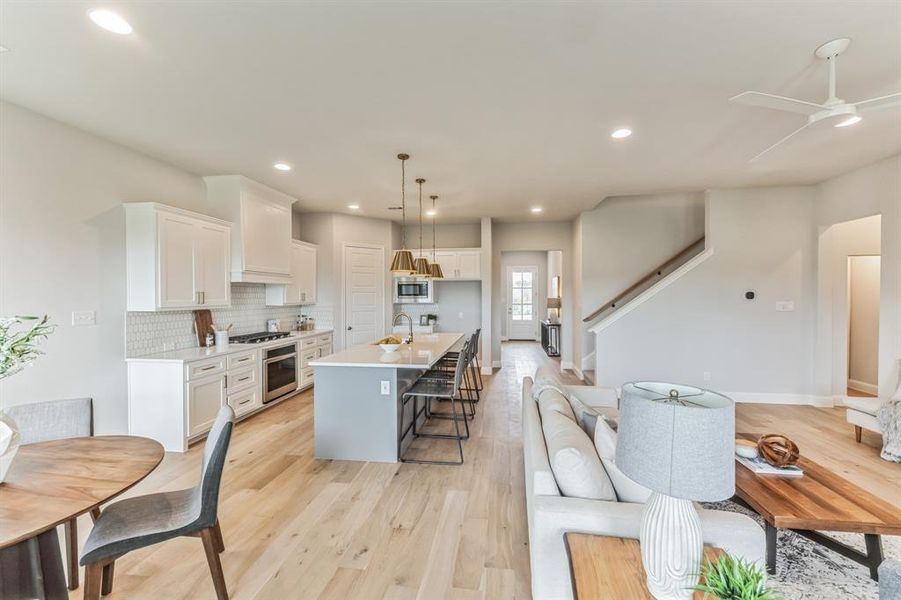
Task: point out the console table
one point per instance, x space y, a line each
550 338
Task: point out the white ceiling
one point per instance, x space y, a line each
502 105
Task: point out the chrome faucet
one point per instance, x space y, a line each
403 315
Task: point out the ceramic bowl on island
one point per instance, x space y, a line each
389 344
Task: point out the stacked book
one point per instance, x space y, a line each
759 466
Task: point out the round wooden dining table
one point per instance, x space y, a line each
50 483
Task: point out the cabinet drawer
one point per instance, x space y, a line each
307 355
309 342
244 359
306 376
244 402
325 338
325 349
206 367
242 378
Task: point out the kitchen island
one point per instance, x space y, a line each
358 394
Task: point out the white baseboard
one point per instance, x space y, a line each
863 386
588 361
496 364
781 398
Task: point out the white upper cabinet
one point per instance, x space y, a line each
261 236
302 289
463 263
175 259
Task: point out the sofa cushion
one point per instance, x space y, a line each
553 401
547 379
574 461
864 405
605 444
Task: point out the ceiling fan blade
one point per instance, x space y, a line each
777 103
782 141
880 102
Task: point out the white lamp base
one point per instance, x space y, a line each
671 547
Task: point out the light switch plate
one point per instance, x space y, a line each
386 388
81 318
785 306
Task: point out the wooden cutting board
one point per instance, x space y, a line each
203 324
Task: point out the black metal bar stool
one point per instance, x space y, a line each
429 389
445 371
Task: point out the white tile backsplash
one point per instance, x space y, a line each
151 332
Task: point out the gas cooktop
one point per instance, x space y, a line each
257 338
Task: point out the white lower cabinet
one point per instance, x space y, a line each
175 399
205 397
246 401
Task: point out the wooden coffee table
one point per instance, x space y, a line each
610 567
818 501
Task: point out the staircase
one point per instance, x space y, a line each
646 284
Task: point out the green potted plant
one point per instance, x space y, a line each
728 578
19 339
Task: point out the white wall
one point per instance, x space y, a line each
537 259
574 319
62 249
765 241
461 235
543 236
863 347
869 191
332 231
459 305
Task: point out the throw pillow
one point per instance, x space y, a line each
626 489
574 461
552 401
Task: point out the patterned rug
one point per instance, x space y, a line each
806 570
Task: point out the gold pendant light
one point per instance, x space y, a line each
434 268
421 263
403 258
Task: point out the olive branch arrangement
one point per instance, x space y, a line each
19 340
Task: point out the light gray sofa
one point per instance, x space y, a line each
550 514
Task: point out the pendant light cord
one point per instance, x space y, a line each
420 217
434 217
403 200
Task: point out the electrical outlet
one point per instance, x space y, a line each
785 306
81 318
706 375
386 388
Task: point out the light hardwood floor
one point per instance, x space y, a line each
295 527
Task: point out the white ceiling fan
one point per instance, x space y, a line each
833 110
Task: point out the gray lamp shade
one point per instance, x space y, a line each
677 440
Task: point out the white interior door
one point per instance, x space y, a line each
522 303
364 294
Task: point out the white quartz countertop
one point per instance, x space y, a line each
423 353
193 354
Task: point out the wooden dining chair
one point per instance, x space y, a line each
142 521
57 420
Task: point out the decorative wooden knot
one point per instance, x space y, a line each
778 450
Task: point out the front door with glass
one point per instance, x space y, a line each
522 300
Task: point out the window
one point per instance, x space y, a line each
521 302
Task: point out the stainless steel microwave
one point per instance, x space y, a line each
413 290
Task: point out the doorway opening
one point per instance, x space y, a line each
863 324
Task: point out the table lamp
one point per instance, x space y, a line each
555 304
678 441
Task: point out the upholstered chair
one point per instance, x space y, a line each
57 420
143 521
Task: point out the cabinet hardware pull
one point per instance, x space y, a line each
245 402
207 368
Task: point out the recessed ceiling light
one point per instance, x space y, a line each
4 49
849 121
621 133
537 209
282 166
110 21
431 212
353 206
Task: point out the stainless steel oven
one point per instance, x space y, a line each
413 290
279 372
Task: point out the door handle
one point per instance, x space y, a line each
349 328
